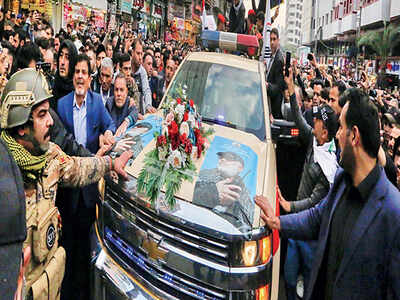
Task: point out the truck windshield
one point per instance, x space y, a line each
224 95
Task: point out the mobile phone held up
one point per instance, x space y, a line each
310 56
287 63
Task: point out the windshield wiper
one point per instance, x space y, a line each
219 122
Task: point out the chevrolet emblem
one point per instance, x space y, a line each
153 251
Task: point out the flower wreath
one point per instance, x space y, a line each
182 140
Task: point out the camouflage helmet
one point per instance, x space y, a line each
25 89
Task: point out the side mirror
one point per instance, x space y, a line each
285 132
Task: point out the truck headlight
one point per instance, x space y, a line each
249 253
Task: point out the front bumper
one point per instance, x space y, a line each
109 280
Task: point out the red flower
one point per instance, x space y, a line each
161 140
179 101
174 141
183 138
191 102
199 149
197 133
185 116
188 147
172 129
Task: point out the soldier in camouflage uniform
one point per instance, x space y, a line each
223 190
25 122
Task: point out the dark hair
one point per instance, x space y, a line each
21 34
341 87
317 82
26 54
176 60
7 34
72 54
124 57
275 31
43 43
396 151
325 94
148 54
363 114
253 19
84 57
261 16
135 42
166 56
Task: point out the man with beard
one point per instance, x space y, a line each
63 84
223 190
236 17
86 118
25 125
118 106
163 82
318 173
358 224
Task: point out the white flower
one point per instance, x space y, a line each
184 128
180 109
175 159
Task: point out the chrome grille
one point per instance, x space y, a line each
195 241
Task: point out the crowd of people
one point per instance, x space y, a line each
103 81
340 190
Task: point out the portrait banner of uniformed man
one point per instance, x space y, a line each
227 181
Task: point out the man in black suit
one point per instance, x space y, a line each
275 81
163 82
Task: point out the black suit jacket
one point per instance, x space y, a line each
158 93
276 85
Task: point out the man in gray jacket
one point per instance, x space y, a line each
318 173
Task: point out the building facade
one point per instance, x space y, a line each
335 24
294 10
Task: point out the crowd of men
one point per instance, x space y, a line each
102 82
341 189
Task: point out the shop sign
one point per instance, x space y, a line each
126 6
175 11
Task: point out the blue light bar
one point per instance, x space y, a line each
210 39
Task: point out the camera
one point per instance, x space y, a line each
310 56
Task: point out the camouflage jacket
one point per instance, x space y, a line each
42 217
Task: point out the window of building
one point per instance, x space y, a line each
326 19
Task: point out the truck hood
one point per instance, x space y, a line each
228 175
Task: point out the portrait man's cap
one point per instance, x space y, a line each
231 156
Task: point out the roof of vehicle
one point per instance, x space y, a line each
226 59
